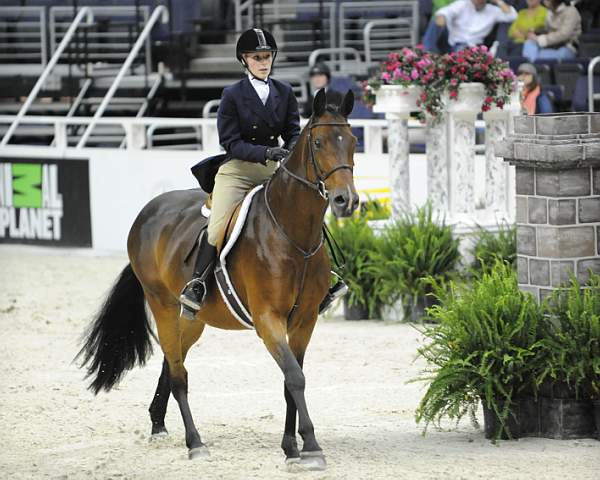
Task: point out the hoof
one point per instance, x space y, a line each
198 452
159 436
292 465
313 461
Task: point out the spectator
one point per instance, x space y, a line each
533 18
467 22
319 77
533 100
563 29
437 4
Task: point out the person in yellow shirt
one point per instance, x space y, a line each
533 18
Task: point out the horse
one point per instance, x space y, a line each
278 266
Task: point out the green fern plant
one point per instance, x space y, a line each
358 244
483 347
572 349
489 246
414 249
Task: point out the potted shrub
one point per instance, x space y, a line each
414 249
490 246
358 243
483 349
569 379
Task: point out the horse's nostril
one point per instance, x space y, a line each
339 200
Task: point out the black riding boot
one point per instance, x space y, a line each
338 290
193 293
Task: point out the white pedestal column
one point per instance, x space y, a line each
460 118
436 148
498 178
397 102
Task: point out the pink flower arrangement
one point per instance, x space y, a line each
407 67
440 74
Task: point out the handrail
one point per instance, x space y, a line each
591 96
84 12
312 59
160 11
239 9
207 107
142 110
374 23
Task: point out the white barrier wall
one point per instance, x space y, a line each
122 181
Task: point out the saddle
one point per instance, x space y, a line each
227 239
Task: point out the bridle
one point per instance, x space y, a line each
319 185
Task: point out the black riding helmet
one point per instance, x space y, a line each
320 68
255 40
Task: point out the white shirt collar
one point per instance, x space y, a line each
262 89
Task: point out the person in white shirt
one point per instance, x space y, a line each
467 22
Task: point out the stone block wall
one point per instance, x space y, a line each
558 226
558 198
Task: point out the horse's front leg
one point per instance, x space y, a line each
273 332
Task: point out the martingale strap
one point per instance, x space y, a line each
320 188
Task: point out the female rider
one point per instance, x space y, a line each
253 114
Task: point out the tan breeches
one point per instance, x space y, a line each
234 179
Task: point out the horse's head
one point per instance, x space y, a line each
331 145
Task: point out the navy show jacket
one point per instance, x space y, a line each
247 127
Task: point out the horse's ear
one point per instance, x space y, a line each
319 103
347 104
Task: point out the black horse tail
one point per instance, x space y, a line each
120 335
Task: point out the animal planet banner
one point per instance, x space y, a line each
45 202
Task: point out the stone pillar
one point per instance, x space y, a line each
436 148
558 198
397 102
460 118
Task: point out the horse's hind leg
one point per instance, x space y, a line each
169 327
158 407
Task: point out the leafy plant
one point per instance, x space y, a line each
359 244
375 209
483 348
494 245
572 348
415 249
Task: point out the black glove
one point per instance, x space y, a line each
276 153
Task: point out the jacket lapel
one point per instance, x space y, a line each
253 102
273 102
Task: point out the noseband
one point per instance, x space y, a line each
319 185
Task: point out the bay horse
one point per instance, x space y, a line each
278 266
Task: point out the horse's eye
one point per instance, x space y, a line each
318 143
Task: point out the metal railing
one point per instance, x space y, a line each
23 35
244 14
159 12
591 95
300 28
338 60
81 14
377 43
401 17
108 43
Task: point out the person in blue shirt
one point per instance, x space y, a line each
253 114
